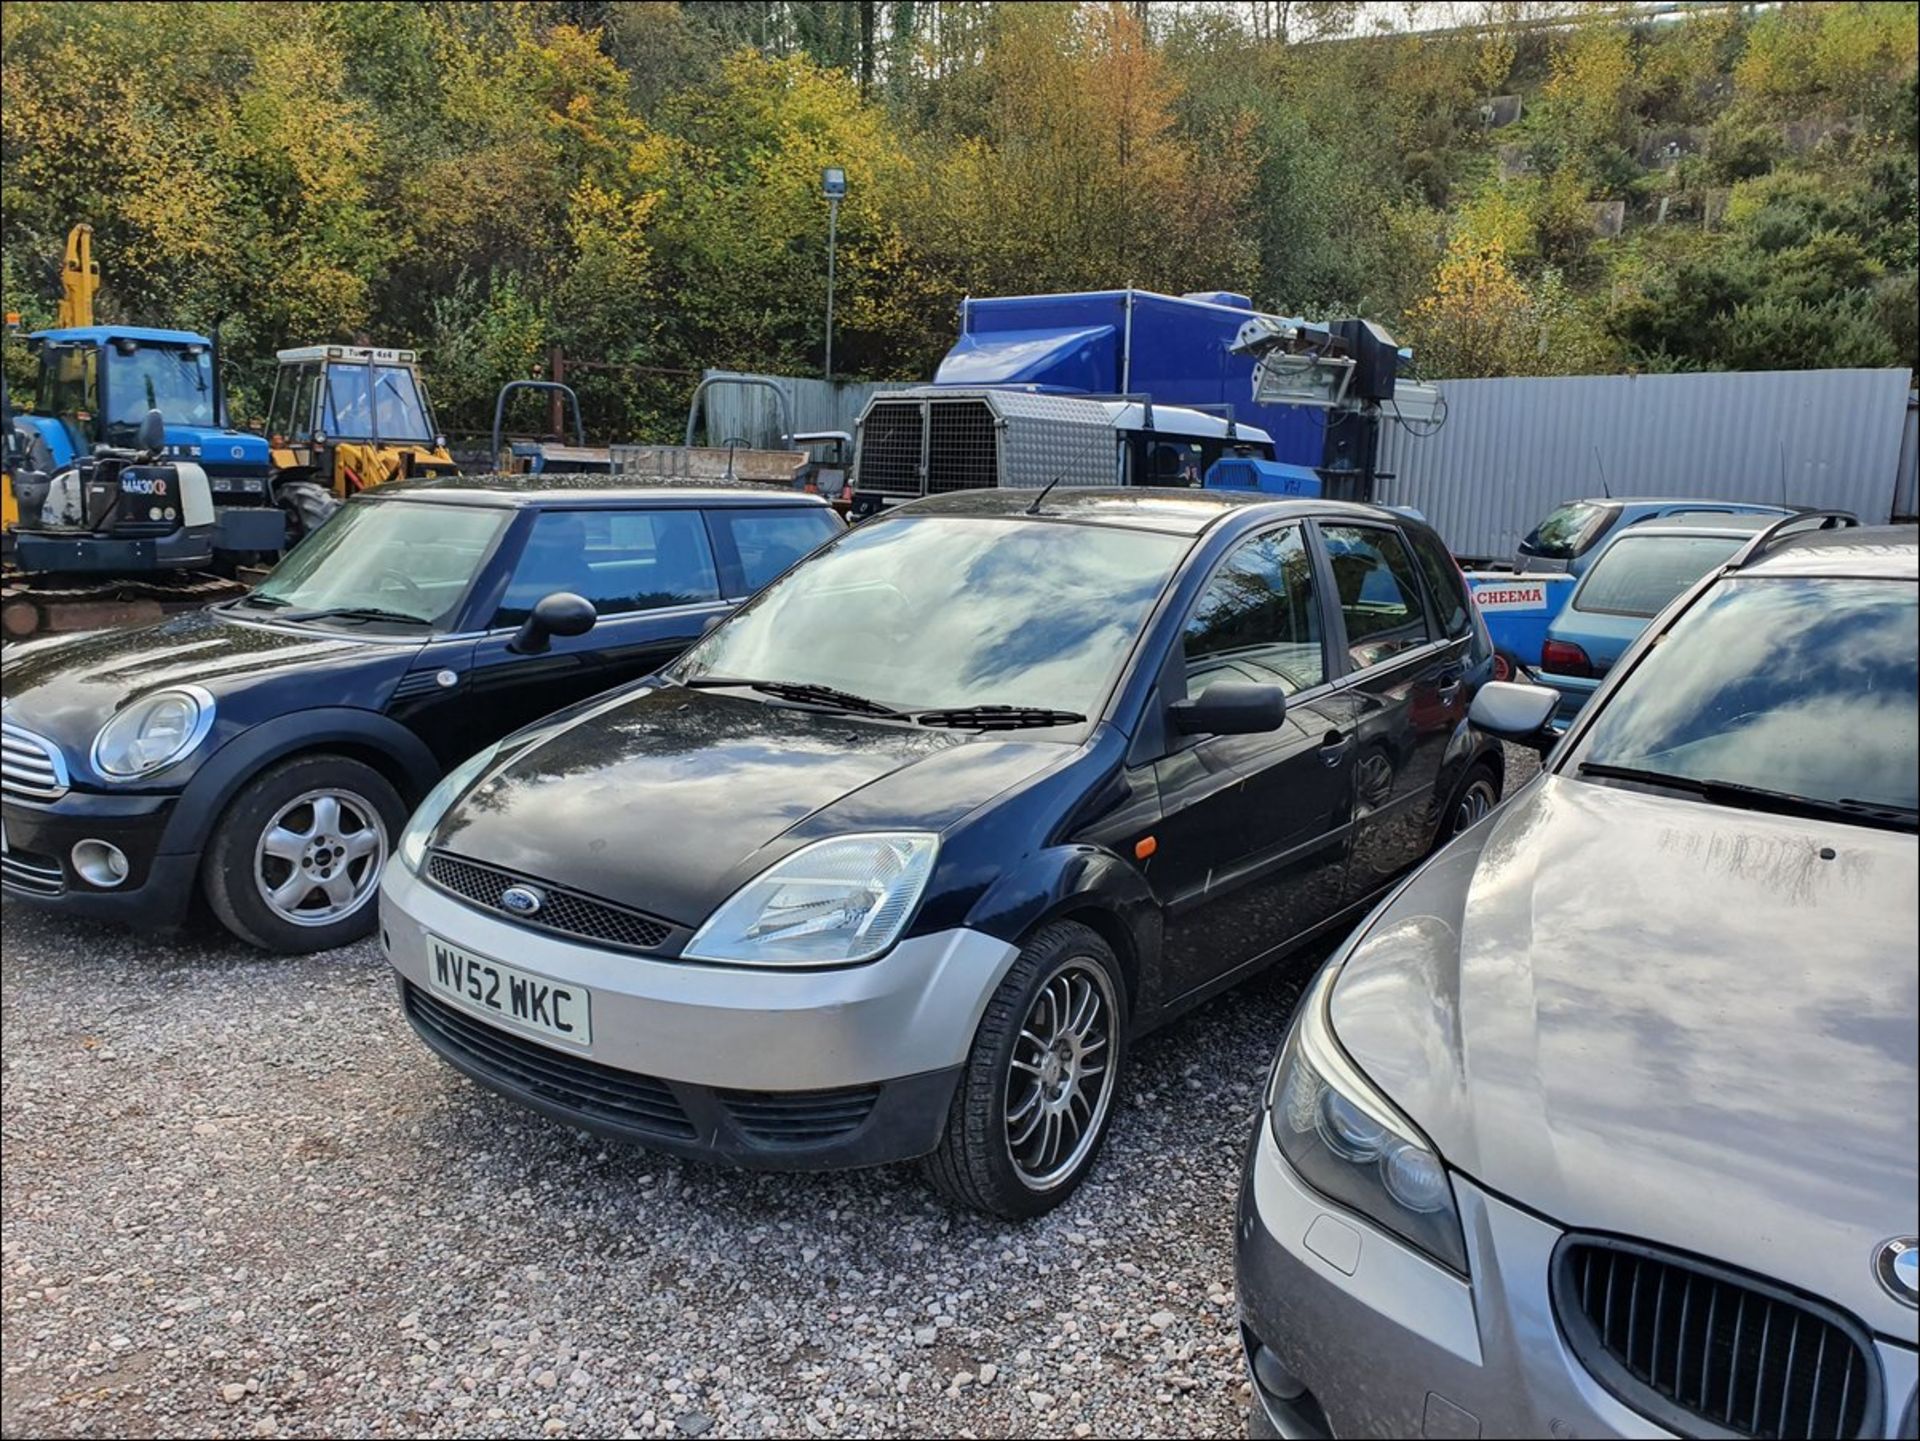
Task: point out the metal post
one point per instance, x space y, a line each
833 223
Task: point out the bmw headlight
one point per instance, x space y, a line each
426 815
839 900
153 732
1347 1142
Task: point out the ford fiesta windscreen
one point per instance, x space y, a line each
949 615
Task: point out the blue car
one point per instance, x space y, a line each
1570 537
1630 580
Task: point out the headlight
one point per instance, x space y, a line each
1344 1139
413 840
153 732
840 900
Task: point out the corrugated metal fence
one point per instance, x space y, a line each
1513 449
749 413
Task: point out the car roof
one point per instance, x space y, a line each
1886 552
123 332
584 491
1173 510
1694 528
1701 502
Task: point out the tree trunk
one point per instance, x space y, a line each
867 8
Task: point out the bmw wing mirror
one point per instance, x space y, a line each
1231 708
1510 711
562 613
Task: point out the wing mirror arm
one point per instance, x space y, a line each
562 613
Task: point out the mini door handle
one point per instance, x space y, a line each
1334 747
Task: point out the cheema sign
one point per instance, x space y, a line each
1512 597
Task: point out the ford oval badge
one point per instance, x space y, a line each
1898 1267
522 900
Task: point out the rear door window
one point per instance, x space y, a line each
1640 574
1379 592
621 560
756 545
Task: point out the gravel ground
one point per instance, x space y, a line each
241 1199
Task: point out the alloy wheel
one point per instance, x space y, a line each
1060 1075
1474 804
318 860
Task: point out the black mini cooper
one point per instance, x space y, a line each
266 751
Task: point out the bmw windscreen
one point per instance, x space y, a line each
1796 694
938 613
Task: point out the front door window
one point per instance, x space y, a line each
1258 618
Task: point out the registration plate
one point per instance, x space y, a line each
558 1010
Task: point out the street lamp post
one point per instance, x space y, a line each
833 185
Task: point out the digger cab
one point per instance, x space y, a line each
350 417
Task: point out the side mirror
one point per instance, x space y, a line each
562 613
1519 713
153 433
1231 708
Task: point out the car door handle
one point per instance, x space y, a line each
1334 747
1450 684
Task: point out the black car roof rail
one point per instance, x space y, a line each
1788 525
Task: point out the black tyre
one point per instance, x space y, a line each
308 505
1036 1095
294 863
1477 794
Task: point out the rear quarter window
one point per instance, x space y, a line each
1640 574
762 543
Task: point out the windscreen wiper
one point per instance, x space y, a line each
997 717
355 612
803 691
265 602
1758 798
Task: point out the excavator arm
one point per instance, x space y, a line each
79 278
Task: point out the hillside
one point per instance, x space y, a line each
638 185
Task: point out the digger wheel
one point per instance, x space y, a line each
307 505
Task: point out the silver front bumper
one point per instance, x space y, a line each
1388 1343
912 1011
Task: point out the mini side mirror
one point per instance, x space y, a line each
562 613
152 437
1231 708
1519 713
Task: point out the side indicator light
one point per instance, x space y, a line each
1145 847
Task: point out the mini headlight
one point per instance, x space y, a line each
1349 1143
426 815
153 732
839 900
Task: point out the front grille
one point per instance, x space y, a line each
889 459
563 911
36 875
962 453
1685 1342
31 766
595 1093
800 1117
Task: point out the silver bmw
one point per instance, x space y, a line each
1605 1123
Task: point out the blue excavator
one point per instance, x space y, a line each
106 513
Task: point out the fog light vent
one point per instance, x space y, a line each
100 864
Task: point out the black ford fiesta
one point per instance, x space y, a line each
898 859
